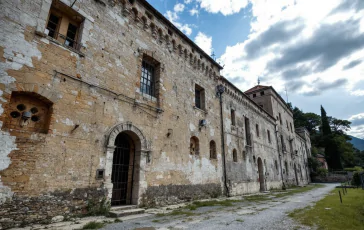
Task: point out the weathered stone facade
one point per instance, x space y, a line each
87 92
294 146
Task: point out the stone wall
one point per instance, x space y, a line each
243 173
23 210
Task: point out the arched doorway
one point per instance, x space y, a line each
122 174
261 174
295 174
127 155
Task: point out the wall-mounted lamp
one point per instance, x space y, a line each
25 118
202 123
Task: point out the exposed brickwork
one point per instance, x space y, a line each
94 95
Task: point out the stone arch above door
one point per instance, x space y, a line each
128 126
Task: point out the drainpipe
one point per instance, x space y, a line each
280 157
220 90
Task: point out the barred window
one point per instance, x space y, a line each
147 81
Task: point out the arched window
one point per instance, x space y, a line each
29 112
235 156
194 146
213 150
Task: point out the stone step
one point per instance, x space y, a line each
123 207
127 212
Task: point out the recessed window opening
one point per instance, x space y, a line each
232 117
254 95
257 129
268 135
199 97
147 81
194 146
213 150
262 93
64 25
235 156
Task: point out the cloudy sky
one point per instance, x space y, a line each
313 49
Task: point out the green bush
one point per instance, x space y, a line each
101 208
93 225
322 172
355 169
356 179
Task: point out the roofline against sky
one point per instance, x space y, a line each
169 23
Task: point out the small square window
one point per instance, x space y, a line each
64 25
254 95
100 173
262 93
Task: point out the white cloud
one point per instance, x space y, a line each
179 7
357 126
187 1
204 42
225 7
306 22
194 11
173 17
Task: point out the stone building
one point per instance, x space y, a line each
108 100
293 145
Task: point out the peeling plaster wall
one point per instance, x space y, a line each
243 175
67 157
300 145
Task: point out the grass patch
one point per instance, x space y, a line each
255 198
198 204
239 220
329 213
117 220
177 213
155 221
295 190
93 225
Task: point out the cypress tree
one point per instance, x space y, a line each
332 153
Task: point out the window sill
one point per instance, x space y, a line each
201 110
54 41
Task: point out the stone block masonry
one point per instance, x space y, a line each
109 100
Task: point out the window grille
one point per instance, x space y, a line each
147 79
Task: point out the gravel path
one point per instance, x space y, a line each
271 214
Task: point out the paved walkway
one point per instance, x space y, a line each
269 214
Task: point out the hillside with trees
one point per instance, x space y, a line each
329 138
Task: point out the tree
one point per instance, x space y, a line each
331 144
325 125
339 126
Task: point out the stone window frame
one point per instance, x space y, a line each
146 56
235 155
86 26
72 21
33 111
268 135
233 117
196 151
213 154
200 97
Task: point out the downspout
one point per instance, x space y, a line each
220 91
280 156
